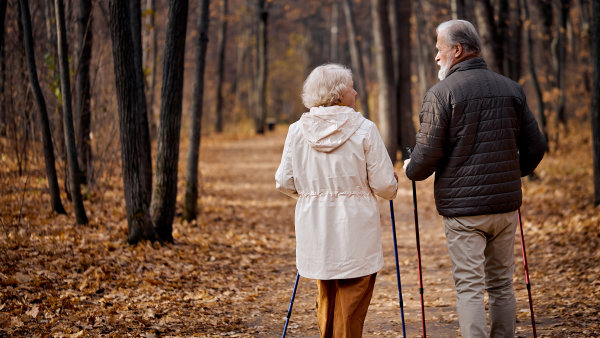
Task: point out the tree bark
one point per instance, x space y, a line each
82 89
356 59
596 98
513 61
405 128
150 58
385 76
423 50
133 142
190 208
221 66
2 26
334 32
260 110
2 68
531 63
138 78
164 195
43 114
562 59
490 38
65 87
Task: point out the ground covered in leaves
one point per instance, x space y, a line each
231 272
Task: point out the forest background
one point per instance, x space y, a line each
130 90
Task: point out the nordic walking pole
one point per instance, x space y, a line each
526 274
287 320
414 189
397 268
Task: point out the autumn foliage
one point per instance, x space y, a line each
231 271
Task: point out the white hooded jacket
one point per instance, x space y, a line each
334 162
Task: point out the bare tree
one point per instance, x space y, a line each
385 76
334 32
65 85
150 58
43 114
531 63
162 207
356 58
221 66
135 21
562 59
260 93
82 89
190 208
134 144
424 48
596 98
2 66
400 22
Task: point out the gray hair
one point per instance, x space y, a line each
463 32
325 85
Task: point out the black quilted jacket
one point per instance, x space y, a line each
479 137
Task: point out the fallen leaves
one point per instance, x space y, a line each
230 272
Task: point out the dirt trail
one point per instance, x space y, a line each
252 179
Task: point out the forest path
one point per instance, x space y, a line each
231 271
240 174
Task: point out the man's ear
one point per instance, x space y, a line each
459 51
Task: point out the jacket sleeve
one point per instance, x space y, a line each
380 170
284 177
430 139
532 143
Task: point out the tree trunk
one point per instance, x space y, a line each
43 114
134 145
2 26
513 61
138 78
150 58
491 40
260 111
531 63
334 30
423 50
190 209
406 127
65 86
385 76
221 66
596 98
457 7
164 195
562 59
356 58
2 68
82 89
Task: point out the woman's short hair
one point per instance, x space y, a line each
463 32
325 85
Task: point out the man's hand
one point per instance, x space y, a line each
406 162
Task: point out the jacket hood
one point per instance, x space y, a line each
327 128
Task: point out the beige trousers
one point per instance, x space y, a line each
481 249
342 305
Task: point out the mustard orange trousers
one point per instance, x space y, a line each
342 305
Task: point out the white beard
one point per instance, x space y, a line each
445 68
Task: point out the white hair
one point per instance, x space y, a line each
463 32
325 85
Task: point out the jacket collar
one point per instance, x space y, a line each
473 63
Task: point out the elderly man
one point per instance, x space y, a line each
479 137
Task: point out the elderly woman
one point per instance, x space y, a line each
334 162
